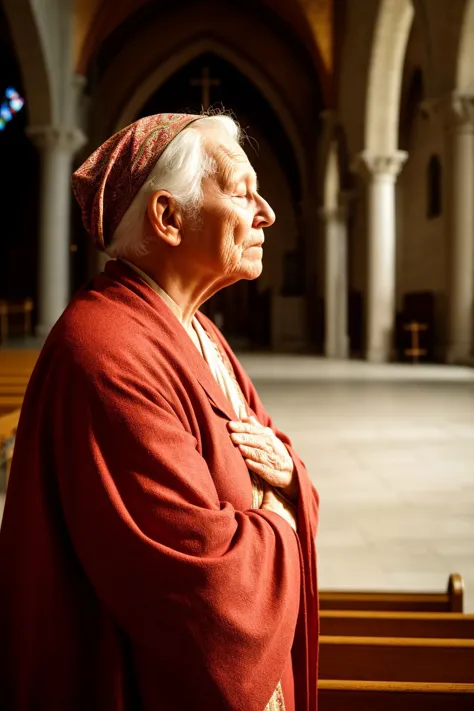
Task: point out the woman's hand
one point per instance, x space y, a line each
272 502
265 455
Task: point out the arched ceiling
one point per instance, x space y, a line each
312 21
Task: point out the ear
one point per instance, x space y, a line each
164 217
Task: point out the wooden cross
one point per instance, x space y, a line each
415 351
206 83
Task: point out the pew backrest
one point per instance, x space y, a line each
339 695
397 659
450 601
366 623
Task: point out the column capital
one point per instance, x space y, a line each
335 212
454 110
56 137
379 165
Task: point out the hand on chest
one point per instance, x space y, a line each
224 459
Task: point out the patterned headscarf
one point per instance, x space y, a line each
107 182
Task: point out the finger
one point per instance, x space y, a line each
251 440
256 455
267 473
253 420
259 468
245 427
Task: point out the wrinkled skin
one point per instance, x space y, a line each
228 240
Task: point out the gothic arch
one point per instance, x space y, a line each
130 66
465 58
392 28
448 30
25 28
370 73
149 85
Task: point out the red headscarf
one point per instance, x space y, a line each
107 182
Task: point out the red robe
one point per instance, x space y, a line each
133 572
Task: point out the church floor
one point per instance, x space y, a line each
391 452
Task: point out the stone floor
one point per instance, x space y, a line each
391 451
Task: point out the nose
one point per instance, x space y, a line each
264 216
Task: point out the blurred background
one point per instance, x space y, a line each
360 332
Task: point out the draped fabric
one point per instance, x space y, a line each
108 181
222 371
134 573
224 375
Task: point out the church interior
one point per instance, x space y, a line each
359 335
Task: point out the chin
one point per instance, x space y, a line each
252 270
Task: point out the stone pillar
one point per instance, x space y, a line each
57 146
336 341
380 172
460 225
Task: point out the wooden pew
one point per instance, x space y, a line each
450 601
12 402
20 356
12 388
397 659
365 623
14 379
336 695
17 363
8 421
8 425
23 307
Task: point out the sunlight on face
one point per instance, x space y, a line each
233 214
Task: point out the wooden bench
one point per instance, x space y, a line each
13 402
8 425
24 308
18 359
12 388
336 695
16 369
14 379
8 422
397 659
364 623
449 601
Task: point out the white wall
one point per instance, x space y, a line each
421 241
422 248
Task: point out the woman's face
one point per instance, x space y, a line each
228 237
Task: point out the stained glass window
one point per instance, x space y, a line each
11 104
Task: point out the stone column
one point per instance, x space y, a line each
57 146
460 225
380 172
336 342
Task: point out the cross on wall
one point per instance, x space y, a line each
206 84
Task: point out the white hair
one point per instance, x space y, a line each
180 171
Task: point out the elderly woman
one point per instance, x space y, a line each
157 550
